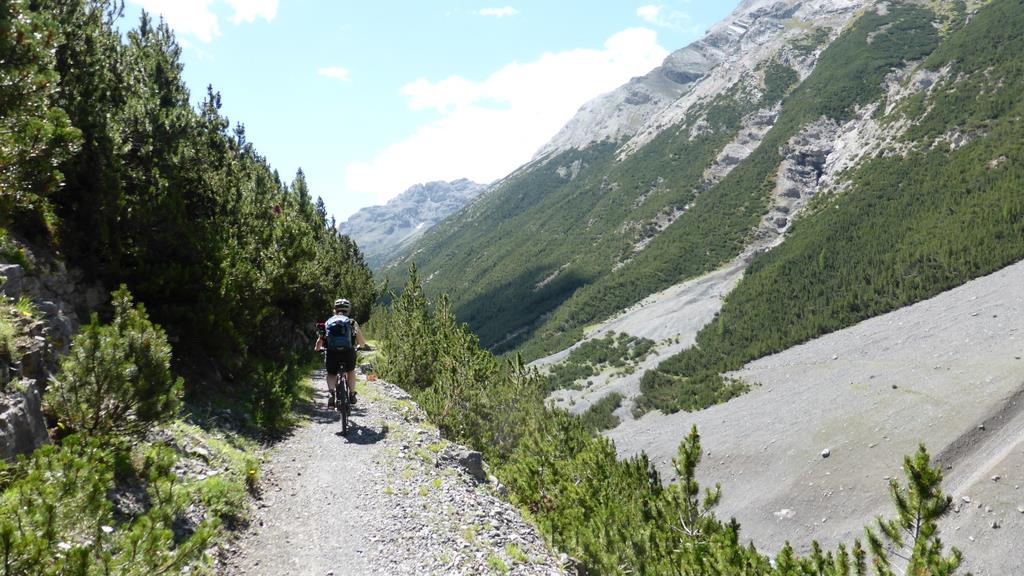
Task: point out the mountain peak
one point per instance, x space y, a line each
382 230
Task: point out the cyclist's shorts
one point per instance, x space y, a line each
340 361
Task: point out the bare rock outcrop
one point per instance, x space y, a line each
56 297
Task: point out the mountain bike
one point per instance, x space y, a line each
341 398
342 404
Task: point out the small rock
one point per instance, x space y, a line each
995 524
981 426
826 453
785 514
996 478
966 499
1020 509
988 509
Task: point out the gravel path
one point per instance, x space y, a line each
390 498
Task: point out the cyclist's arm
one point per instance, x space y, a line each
319 346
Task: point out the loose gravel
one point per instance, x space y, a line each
388 498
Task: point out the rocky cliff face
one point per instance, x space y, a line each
731 52
57 297
380 231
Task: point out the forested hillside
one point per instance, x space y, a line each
616 516
216 270
107 162
911 225
930 201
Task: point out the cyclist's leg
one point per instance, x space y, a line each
351 377
333 365
349 368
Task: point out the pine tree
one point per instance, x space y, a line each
911 539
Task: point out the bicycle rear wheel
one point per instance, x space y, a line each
344 408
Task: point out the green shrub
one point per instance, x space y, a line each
614 516
593 356
223 498
271 391
57 517
600 415
117 378
8 334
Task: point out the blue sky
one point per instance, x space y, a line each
370 98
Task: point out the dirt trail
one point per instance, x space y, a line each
388 498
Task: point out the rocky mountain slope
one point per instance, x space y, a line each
591 208
380 231
803 105
948 372
833 163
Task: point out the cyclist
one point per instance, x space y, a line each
339 339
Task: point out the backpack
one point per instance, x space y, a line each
339 332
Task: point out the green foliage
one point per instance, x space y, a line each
272 388
907 229
671 393
913 534
472 396
599 416
613 516
223 498
8 335
57 517
103 155
808 43
593 356
546 254
410 343
35 134
11 252
117 378
778 80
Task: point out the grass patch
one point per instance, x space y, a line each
494 562
8 336
516 554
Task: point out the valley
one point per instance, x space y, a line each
787 263
947 372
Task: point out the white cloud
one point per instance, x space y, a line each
488 128
249 10
649 13
196 17
659 15
336 72
498 12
